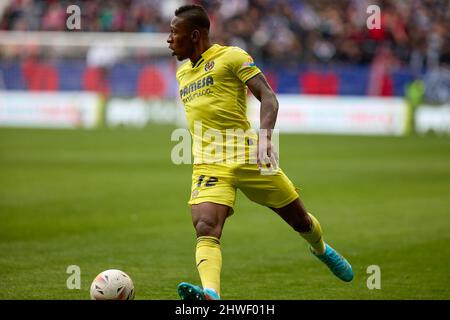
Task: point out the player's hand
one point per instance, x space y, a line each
266 156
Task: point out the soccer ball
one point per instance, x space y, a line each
112 284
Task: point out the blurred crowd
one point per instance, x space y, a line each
413 32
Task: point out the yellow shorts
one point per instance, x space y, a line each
217 183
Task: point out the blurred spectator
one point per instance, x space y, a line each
380 81
54 18
437 85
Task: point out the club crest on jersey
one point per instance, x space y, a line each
209 65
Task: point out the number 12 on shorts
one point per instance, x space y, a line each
209 183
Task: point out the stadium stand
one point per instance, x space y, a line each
306 46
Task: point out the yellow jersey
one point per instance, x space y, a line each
214 95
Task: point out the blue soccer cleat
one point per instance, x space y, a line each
188 291
337 264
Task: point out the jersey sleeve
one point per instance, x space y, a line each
243 65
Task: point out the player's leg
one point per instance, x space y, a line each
309 228
296 215
277 192
212 199
208 219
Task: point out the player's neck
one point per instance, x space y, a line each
198 51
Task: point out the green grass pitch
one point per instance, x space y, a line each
112 199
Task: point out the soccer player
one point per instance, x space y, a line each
213 85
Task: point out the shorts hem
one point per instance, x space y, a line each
231 206
286 202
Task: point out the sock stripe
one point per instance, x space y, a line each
208 239
318 241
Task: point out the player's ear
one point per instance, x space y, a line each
195 36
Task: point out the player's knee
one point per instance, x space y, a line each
205 227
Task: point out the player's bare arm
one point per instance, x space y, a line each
268 116
269 104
